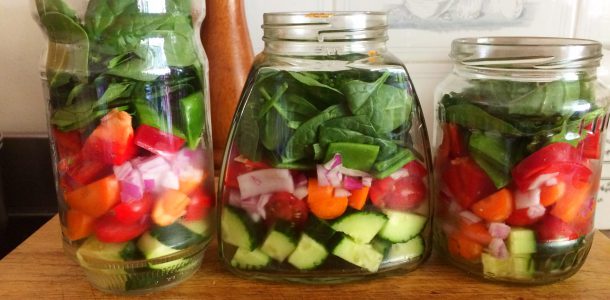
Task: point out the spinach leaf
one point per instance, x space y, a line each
59 6
360 124
309 80
275 131
472 116
498 176
557 97
300 143
248 133
115 91
359 92
101 14
496 154
79 115
271 101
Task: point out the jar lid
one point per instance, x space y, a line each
325 26
527 52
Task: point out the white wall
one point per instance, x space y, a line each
423 46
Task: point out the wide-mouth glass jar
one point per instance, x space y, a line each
127 99
519 135
326 172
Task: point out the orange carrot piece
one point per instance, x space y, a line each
96 198
322 203
358 198
189 184
550 194
78 225
170 206
496 207
568 206
460 246
476 232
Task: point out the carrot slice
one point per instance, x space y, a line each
96 198
496 207
550 194
170 206
322 203
78 225
476 232
358 198
189 184
568 206
461 246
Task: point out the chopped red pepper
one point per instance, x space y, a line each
132 212
109 229
199 206
112 141
467 182
68 143
157 141
83 172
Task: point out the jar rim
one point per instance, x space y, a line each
527 52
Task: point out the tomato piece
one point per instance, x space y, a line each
131 212
569 172
78 225
112 141
400 194
67 143
157 141
416 169
539 162
285 206
199 207
476 232
467 182
496 207
84 171
236 168
519 217
456 144
109 229
551 229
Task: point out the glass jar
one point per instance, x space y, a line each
325 175
127 104
519 141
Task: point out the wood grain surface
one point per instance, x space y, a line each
227 44
38 269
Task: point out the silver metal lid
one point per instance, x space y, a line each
527 52
325 26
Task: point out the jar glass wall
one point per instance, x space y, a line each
325 176
127 99
520 123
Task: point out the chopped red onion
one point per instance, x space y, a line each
334 162
255 206
299 179
340 192
540 180
301 192
352 172
499 230
527 198
149 184
469 217
121 171
454 208
152 168
130 191
367 181
234 198
351 183
335 178
536 211
130 182
170 181
399 174
265 181
322 179
497 248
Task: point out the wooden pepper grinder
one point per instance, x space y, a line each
227 44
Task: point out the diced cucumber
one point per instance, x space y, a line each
517 267
362 226
153 248
362 255
521 241
238 229
177 236
199 227
318 230
309 254
523 266
401 252
280 241
93 248
401 226
382 246
353 155
250 260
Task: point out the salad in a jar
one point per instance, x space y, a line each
518 171
326 176
128 129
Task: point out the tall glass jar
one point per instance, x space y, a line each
127 101
519 135
325 176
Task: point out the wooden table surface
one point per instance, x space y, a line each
38 269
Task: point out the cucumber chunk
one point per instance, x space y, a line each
401 226
401 252
280 241
518 267
521 241
238 229
93 248
250 260
176 236
362 255
309 254
153 248
362 226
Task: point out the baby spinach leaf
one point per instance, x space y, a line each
472 116
309 80
360 124
101 14
557 97
359 92
58 6
275 131
271 101
247 135
115 91
300 143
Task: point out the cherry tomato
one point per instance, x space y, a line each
401 194
132 212
552 155
467 182
112 141
109 229
285 206
551 229
199 206
415 169
519 217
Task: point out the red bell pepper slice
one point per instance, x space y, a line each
157 141
467 182
112 141
134 211
199 206
540 161
67 143
83 172
109 229
591 146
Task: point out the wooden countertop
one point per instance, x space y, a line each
38 269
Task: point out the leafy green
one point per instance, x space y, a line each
495 154
248 134
193 113
472 116
392 164
557 97
336 134
59 6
